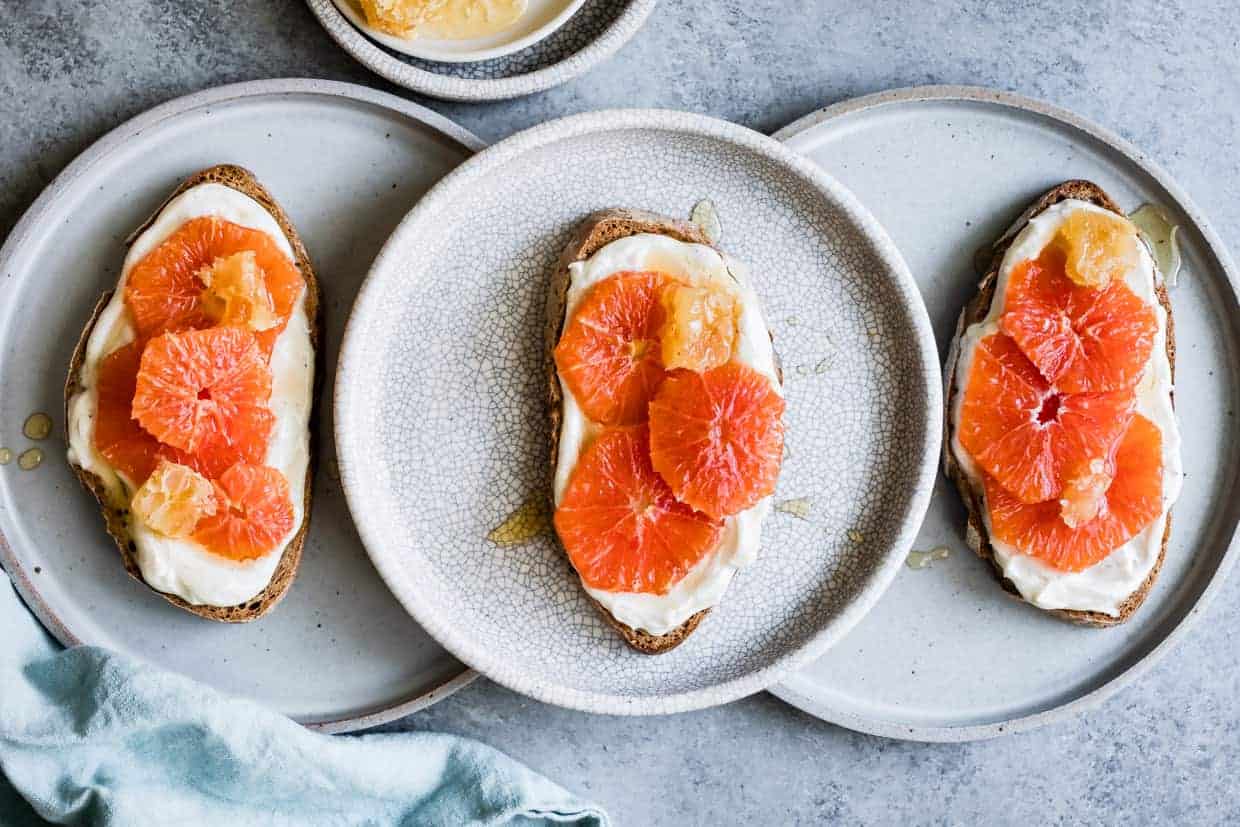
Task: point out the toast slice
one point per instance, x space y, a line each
975 311
595 232
114 512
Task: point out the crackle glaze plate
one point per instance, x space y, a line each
441 411
947 655
346 163
558 40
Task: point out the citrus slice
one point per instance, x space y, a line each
173 499
164 290
254 513
609 355
1099 247
1027 435
699 328
118 436
1083 340
717 438
205 392
623 529
1132 502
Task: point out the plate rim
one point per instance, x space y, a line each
369 298
449 87
793 689
113 139
409 46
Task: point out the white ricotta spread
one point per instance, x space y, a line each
705 583
1104 586
180 566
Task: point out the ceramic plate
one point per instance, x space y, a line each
442 424
540 19
946 655
593 32
346 163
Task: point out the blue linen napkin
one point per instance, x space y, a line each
88 736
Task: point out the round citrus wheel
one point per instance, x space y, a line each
254 512
1132 502
205 392
1082 339
165 292
1025 434
717 438
610 352
623 529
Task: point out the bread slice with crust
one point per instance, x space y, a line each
114 512
975 311
596 231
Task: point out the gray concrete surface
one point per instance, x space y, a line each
1164 74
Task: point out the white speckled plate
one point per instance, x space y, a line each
539 20
946 655
346 162
593 33
442 425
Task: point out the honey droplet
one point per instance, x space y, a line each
799 507
918 560
30 459
6 456
706 218
526 523
38 426
856 536
1163 239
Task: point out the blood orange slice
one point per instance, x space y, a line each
118 436
609 355
1132 502
1024 433
205 392
1082 339
165 292
620 524
717 438
254 512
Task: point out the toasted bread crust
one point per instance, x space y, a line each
977 310
115 513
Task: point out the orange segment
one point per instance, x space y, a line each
236 293
699 329
118 436
173 499
1132 502
255 512
621 526
1026 435
164 290
1098 247
609 354
205 392
717 438
1081 339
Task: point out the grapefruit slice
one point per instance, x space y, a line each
254 513
717 438
205 392
623 529
118 436
1024 433
610 353
1132 502
1083 340
164 290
